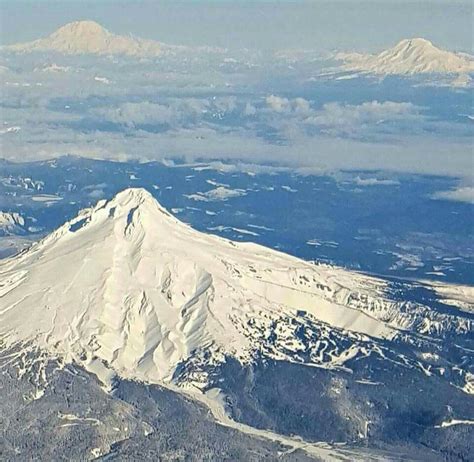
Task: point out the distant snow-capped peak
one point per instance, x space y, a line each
89 37
410 56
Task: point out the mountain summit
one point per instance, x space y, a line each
410 56
77 31
89 37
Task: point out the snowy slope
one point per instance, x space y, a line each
127 288
89 37
410 56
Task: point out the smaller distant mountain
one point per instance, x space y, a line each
89 37
409 57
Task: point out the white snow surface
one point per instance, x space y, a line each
410 56
455 295
126 288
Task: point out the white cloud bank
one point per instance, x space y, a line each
461 194
372 111
192 110
131 114
370 119
425 155
375 182
284 105
336 118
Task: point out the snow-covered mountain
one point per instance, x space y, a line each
408 57
127 286
89 37
126 290
139 290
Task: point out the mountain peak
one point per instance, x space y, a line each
417 46
130 207
135 196
414 45
86 28
417 42
411 56
133 215
134 199
89 37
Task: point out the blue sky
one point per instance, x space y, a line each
321 25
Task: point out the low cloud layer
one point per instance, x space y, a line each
461 194
339 119
197 108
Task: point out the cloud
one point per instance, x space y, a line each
250 110
290 118
277 103
190 109
374 182
284 105
172 111
426 155
338 119
96 194
300 105
461 194
131 114
225 104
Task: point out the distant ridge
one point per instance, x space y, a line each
408 57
